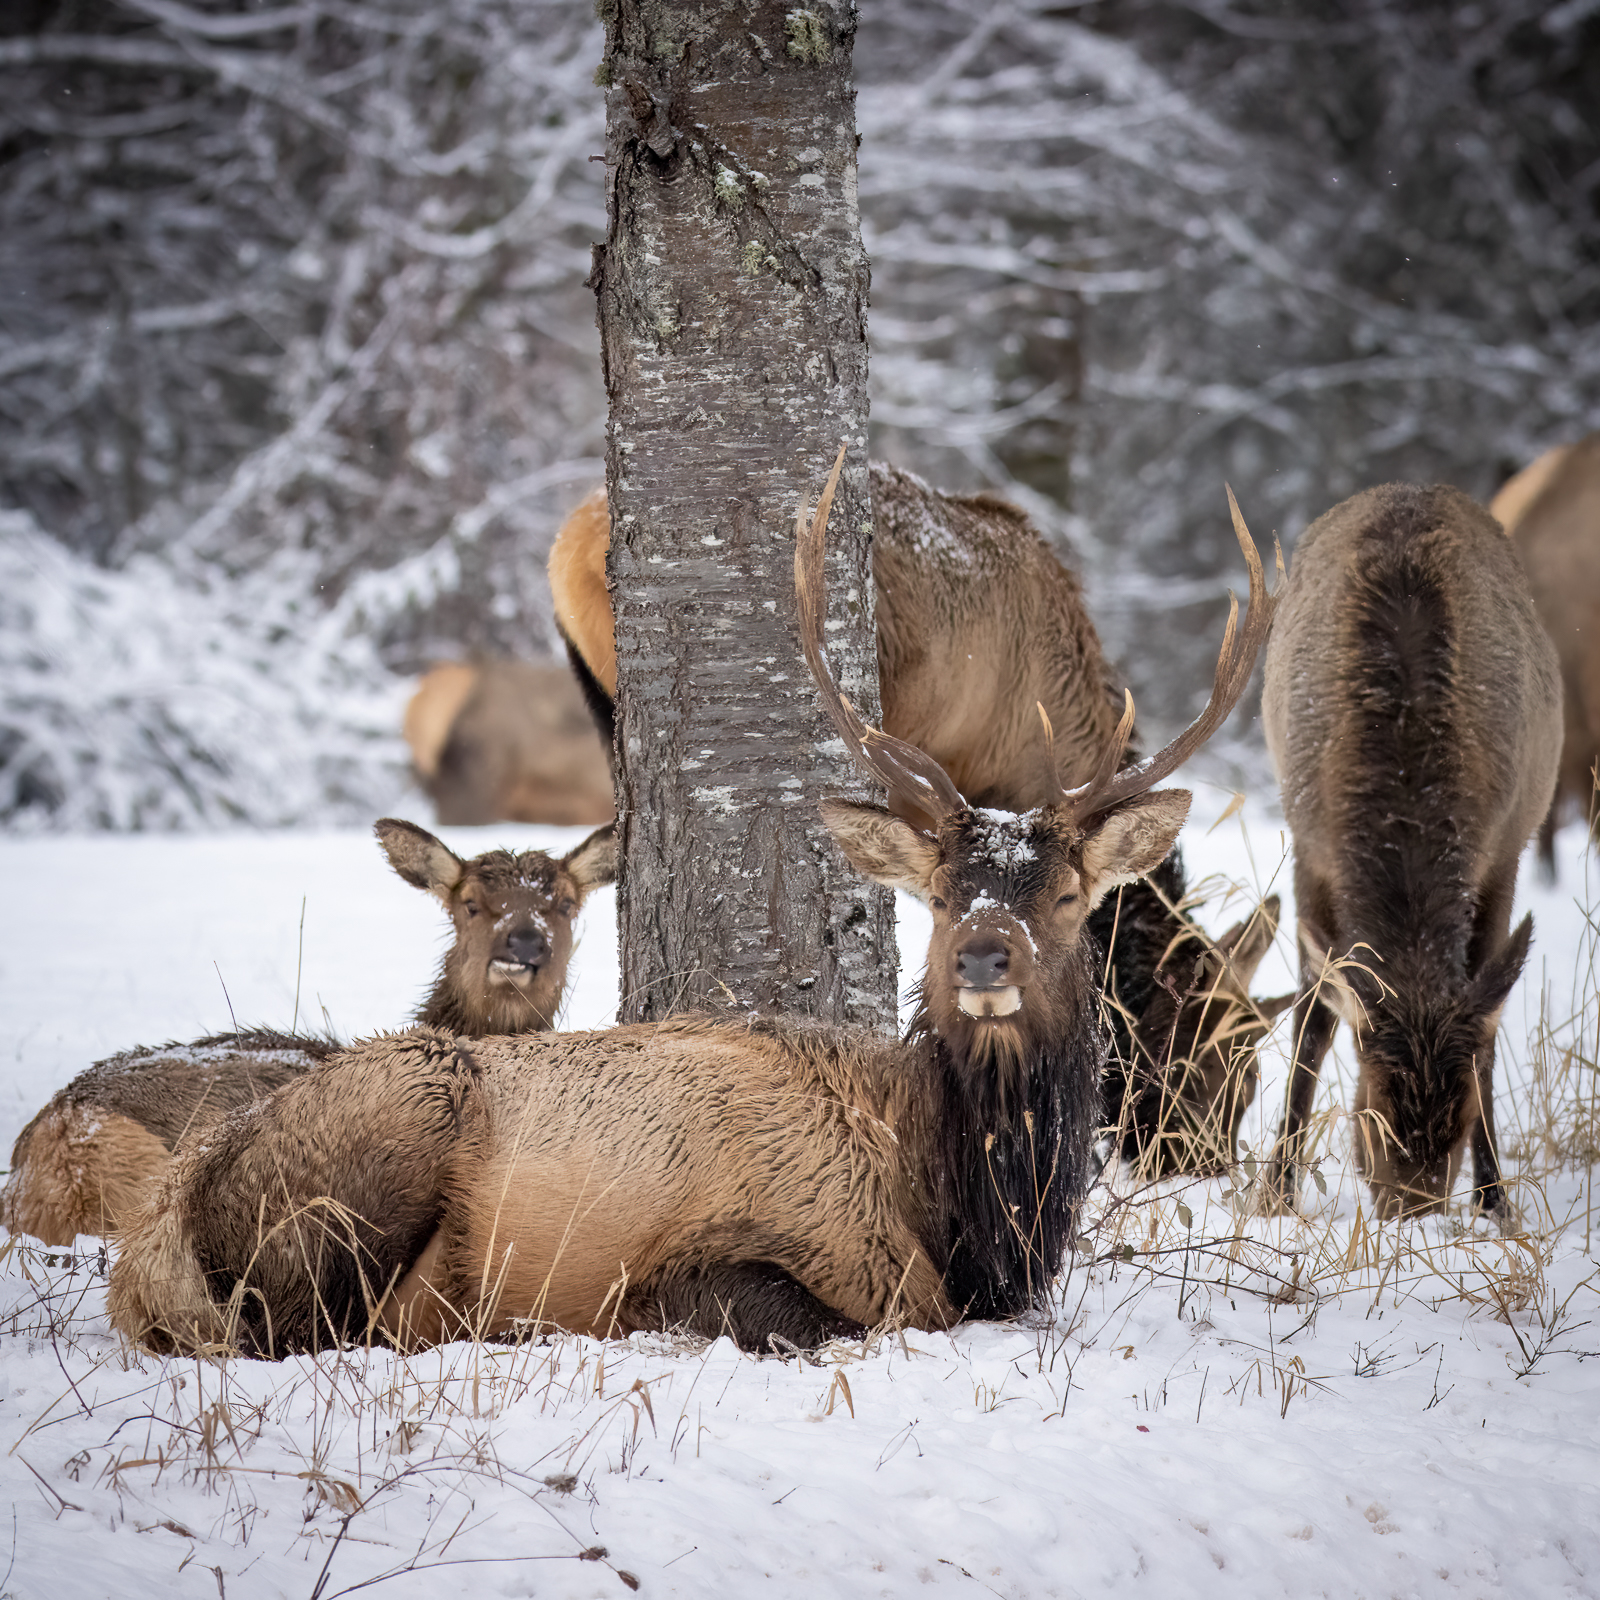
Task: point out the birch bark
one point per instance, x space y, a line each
732 297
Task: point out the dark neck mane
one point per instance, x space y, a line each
1009 1174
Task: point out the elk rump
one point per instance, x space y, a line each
507 741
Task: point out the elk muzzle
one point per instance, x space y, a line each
519 954
990 964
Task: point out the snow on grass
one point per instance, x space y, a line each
1222 1404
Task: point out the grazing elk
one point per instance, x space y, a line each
86 1160
1552 512
978 624
1186 1072
781 1181
1413 711
507 741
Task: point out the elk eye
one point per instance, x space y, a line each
470 907
935 903
567 908
1067 900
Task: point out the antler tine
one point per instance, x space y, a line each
1235 661
920 790
1109 757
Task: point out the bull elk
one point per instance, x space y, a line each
979 623
780 1181
507 741
1413 712
1551 509
87 1159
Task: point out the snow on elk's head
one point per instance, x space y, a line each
1009 966
513 916
1009 970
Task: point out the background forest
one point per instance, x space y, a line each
299 375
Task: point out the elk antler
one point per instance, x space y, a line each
1109 787
920 790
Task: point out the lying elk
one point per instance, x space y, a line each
1551 509
1413 711
507 741
979 623
779 1181
88 1158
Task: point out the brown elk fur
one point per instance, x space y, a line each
1519 492
507 741
784 1182
1412 708
1552 512
432 710
82 1163
86 1160
1191 1070
979 623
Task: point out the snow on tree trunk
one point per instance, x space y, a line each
732 306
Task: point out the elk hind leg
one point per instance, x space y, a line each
756 1303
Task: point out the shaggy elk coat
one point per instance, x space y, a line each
87 1160
1413 711
1551 509
782 1182
979 624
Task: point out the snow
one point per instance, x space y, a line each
1312 1407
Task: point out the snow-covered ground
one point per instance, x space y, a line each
1310 1407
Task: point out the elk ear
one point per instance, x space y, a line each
594 862
1274 1007
423 861
1493 980
1245 943
1132 840
882 846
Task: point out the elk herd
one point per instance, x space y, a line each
1431 701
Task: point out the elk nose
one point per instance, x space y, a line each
527 945
984 963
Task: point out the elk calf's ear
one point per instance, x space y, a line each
1131 841
1245 943
419 858
594 862
881 846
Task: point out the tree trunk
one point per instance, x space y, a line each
732 307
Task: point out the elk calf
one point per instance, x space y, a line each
1184 1071
783 1182
84 1162
507 741
1551 509
1413 711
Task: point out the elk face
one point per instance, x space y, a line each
1426 1069
1416 1102
513 917
1009 967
